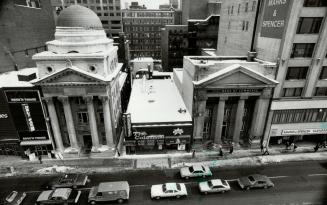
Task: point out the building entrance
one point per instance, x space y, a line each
87 139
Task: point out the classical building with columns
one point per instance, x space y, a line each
228 97
81 81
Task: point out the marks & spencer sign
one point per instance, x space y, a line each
274 18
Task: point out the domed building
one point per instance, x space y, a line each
81 81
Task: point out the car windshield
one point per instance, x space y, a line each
210 184
224 182
178 186
191 169
11 196
251 178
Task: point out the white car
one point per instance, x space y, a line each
195 171
214 186
168 190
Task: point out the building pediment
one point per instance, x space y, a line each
73 76
235 76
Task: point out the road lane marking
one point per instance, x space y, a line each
312 175
277 177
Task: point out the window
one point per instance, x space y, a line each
302 50
254 3
323 74
111 8
79 1
243 25
117 8
315 3
112 14
296 73
238 9
321 91
115 22
118 14
110 1
105 14
247 26
309 25
246 7
104 22
82 117
98 8
97 1
105 8
292 92
231 12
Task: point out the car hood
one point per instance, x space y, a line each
44 195
203 186
156 190
93 192
185 171
245 181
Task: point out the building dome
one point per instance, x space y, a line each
79 16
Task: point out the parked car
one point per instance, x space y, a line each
14 198
255 181
109 191
168 190
58 196
69 181
214 186
195 171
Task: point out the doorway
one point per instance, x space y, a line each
87 139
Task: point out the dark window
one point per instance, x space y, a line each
303 50
104 22
323 74
309 25
254 3
247 26
246 6
83 117
231 12
238 9
292 92
321 91
296 73
315 3
115 22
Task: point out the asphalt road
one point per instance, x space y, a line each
298 183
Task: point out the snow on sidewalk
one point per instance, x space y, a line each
54 169
255 161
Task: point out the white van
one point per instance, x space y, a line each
109 191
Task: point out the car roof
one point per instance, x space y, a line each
197 167
113 186
216 182
258 177
171 186
62 192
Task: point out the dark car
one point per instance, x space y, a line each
59 196
14 198
69 181
255 181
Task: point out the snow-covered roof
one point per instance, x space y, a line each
62 193
143 59
156 101
10 79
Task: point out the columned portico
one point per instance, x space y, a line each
107 121
54 124
92 122
220 119
69 123
199 119
239 119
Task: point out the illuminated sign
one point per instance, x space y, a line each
3 116
304 132
274 18
28 117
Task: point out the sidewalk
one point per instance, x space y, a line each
15 166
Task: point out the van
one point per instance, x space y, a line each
109 191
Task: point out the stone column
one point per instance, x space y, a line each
220 119
54 124
69 123
239 120
93 123
107 121
201 99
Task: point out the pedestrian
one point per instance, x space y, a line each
287 144
40 158
118 153
221 151
293 146
231 148
316 147
261 147
193 153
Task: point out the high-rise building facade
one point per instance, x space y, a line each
143 28
293 34
109 12
25 27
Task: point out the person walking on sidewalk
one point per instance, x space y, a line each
231 148
266 152
193 153
316 147
40 158
221 151
293 146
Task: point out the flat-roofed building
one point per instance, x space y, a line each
158 117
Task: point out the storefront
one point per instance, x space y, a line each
171 138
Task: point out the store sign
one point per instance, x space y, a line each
239 90
28 117
33 136
22 96
304 132
3 115
178 131
274 18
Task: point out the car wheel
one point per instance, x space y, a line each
93 202
120 201
266 187
205 192
178 196
186 177
222 191
158 197
247 188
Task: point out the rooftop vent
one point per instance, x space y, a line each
26 77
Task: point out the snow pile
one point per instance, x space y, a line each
54 169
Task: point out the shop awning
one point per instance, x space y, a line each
35 142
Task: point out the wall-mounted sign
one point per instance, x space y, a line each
304 132
3 115
178 131
274 18
28 117
238 90
22 96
